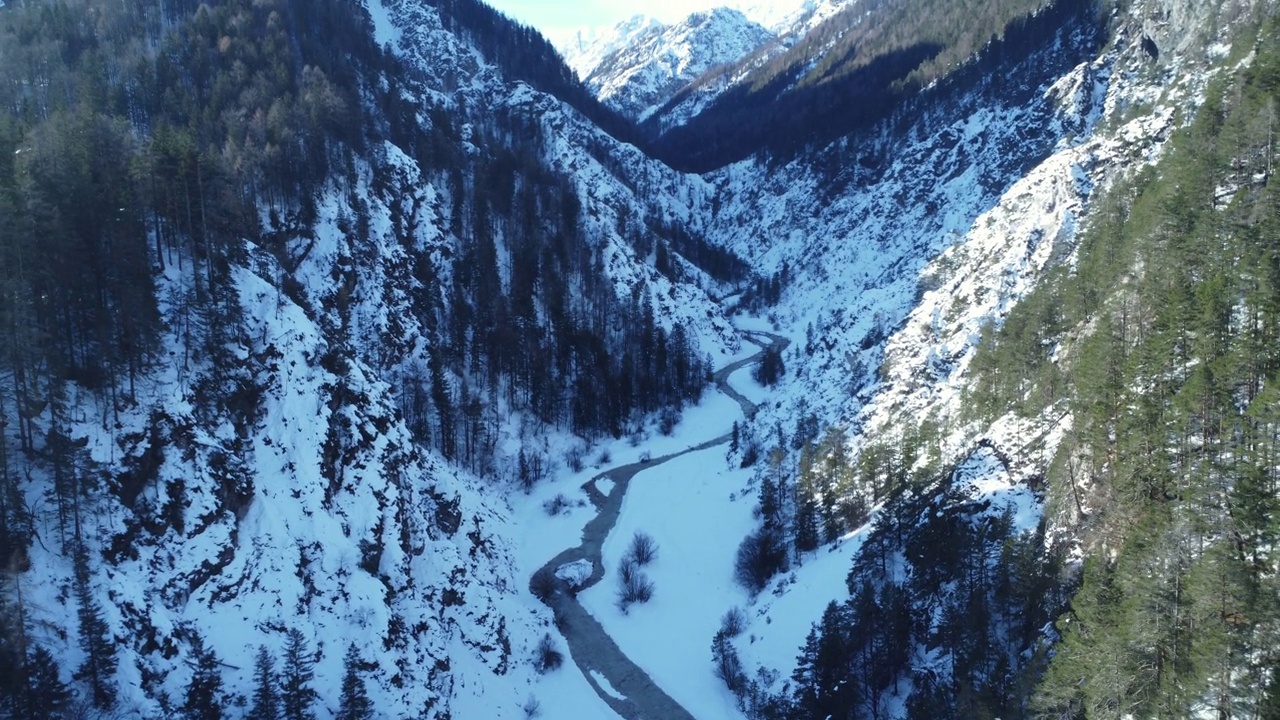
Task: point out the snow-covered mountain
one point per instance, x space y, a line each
280 464
788 17
639 64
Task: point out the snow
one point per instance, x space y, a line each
984 477
895 272
538 537
605 486
670 636
641 63
575 573
604 685
781 616
384 27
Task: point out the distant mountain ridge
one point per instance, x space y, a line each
639 64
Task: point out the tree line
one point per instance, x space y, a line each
1168 329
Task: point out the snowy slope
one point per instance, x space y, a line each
619 187
382 547
789 17
895 270
955 216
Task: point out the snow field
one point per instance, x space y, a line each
694 508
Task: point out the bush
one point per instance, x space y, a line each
633 585
644 549
733 622
547 657
761 555
556 505
576 458
543 585
532 708
728 666
667 421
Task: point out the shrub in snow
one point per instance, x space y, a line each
633 585
543 585
556 505
761 555
576 458
644 549
532 708
728 666
531 469
547 657
667 421
733 622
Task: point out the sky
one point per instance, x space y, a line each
555 16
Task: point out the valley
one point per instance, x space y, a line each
383 359
590 646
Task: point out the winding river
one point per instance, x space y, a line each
592 649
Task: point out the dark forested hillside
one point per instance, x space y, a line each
865 66
1161 341
153 153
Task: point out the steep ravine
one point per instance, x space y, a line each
593 650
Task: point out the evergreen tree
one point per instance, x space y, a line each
296 694
99 666
806 523
47 695
355 704
266 691
834 692
12 676
805 676
203 700
806 505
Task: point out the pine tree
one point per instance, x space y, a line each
355 704
297 695
266 691
204 692
806 523
12 640
805 695
99 666
47 695
835 693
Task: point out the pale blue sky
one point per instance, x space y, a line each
559 15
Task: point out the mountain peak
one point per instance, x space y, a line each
641 62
